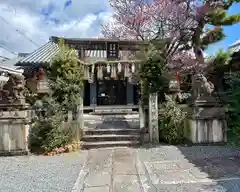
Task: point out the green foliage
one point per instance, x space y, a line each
221 62
47 133
212 36
172 122
153 70
217 18
65 76
233 108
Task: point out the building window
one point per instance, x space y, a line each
112 50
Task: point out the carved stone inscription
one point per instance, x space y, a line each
153 118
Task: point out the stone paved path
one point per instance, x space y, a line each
156 169
165 168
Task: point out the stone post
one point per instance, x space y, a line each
153 118
80 119
141 115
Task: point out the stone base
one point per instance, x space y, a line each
14 153
207 131
145 138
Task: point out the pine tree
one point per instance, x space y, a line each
213 14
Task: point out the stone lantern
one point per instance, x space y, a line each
174 86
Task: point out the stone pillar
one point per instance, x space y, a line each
141 115
93 94
80 118
153 118
129 93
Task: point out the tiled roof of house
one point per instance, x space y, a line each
45 53
235 47
9 67
42 55
10 63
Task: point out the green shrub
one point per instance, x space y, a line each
232 102
172 122
65 75
48 133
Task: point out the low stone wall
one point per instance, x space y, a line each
207 131
14 130
206 125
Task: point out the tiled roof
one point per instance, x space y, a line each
45 53
11 63
40 56
235 47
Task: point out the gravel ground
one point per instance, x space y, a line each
153 169
40 173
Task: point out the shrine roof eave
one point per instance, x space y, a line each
98 40
41 56
33 64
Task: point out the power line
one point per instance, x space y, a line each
6 58
17 30
8 50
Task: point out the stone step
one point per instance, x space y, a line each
111 131
114 112
111 137
90 145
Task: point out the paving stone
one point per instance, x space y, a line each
174 176
159 166
198 174
99 160
96 189
126 183
184 165
97 179
197 187
125 168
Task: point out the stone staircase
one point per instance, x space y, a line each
111 131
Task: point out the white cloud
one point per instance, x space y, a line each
81 19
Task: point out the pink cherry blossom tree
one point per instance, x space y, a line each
149 20
191 25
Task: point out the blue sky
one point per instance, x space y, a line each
28 21
232 33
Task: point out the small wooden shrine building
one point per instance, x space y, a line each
108 81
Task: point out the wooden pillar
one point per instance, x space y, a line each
153 118
129 93
93 94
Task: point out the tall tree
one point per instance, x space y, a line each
189 24
149 20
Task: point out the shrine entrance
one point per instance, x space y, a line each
111 92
